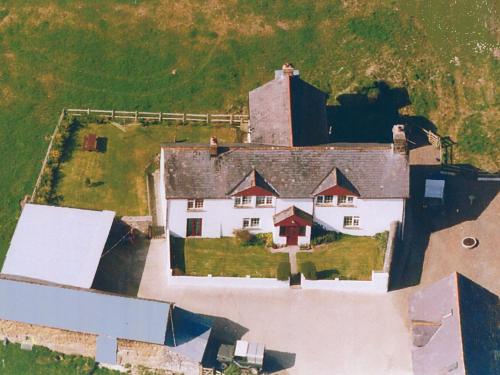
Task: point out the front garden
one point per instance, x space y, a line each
346 257
225 256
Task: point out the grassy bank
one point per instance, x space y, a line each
204 57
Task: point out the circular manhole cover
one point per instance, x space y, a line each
469 242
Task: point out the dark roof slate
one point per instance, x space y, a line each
374 170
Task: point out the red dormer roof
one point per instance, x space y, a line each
335 183
253 184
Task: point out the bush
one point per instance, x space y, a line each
382 239
232 370
326 238
264 239
283 272
244 237
308 269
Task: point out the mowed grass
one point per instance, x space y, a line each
350 258
116 179
42 361
194 56
226 257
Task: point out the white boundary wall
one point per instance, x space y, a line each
378 284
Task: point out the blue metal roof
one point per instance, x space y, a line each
105 350
83 311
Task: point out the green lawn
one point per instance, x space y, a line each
122 55
226 257
117 176
350 257
42 361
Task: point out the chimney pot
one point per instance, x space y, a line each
214 146
288 69
400 144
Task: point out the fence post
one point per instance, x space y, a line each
112 114
160 117
183 118
88 111
136 115
209 118
231 119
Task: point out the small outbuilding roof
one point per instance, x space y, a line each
454 326
434 189
292 215
58 244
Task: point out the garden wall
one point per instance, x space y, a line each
227 282
378 284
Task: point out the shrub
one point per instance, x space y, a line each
244 237
264 239
283 272
308 269
232 370
176 271
320 235
382 239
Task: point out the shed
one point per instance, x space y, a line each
58 244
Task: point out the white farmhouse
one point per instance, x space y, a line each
288 181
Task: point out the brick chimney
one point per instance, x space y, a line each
214 146
399 142
287 69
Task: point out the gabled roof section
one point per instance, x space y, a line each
253 184
335 183
288 111
292 216
454 327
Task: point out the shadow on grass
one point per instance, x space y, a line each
328 274
177 257
102 144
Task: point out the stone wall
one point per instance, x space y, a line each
133 353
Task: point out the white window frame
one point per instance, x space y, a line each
243 201
351 222
251 223
324 200
345 200
195 204
267 200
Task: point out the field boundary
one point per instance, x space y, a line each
207 118
44 163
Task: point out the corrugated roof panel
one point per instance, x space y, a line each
83 311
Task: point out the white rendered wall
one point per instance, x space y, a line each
162 201
375 215
220 217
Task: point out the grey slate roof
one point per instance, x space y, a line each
375 171
83 310
288 111
454 328
252 179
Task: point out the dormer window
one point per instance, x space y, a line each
345 200
244 201
195 204
324 200
264 201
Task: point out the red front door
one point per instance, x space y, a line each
292 236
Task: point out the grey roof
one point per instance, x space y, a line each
288 111
190 334
83 310
454 328
105 349
58 244
253 179
375 171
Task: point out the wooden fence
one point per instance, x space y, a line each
231 119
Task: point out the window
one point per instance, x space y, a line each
194 204
242 201
324 199
351 221
252 222
345 199
193 227
264 201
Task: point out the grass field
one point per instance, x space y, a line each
350 257
115 179
41 361
226 257
200 56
